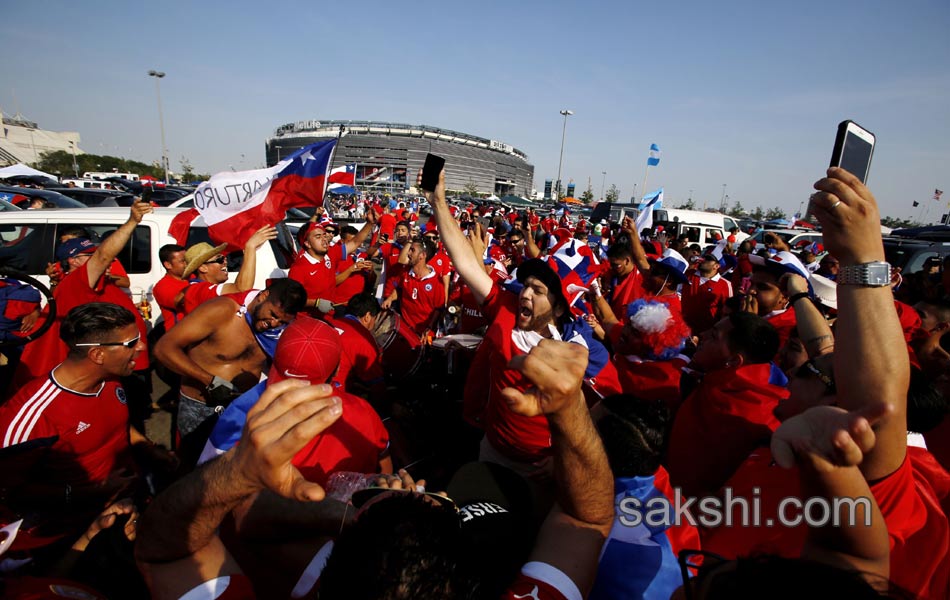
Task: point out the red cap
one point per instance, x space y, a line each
308 349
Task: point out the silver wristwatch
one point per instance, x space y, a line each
872 274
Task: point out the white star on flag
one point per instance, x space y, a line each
305 157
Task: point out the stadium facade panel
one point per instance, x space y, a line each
388 155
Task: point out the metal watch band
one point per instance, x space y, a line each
872 274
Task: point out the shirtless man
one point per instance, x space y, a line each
221 349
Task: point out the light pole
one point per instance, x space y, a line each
161 120
722 201
602 182
560 160
72 146
278 146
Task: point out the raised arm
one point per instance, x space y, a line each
248 272
813 329
363 233
111 246
868 332
531 246
469 268
572 535
827 443
639 254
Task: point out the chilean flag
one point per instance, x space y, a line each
236 204
344 176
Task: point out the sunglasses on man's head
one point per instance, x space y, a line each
128 344
361 497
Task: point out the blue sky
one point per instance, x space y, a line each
746 94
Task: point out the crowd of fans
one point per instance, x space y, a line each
590 387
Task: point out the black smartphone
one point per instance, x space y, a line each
430 172
854 146
147 193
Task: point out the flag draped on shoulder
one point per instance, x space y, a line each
236 204
648 203
654 158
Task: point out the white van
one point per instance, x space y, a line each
719 220
107 174
95 184
28 240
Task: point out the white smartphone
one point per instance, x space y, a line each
854 146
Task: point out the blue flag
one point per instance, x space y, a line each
654 158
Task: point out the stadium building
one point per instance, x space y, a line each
389 155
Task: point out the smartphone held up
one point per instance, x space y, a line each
854 146
430 172
853 149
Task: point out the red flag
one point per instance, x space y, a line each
181 224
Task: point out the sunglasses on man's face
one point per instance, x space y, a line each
128 344
220 260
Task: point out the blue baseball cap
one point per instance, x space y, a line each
71 248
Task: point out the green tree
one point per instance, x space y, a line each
588 196
757 214
775 213
688 205
895 223
187 171
737 210
613 193
61 162
470 188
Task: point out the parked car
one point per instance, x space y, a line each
612 212
16 195
909 254
97 197
703 234
28 241
795 238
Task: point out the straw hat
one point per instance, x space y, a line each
199 254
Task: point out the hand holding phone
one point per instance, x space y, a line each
431 171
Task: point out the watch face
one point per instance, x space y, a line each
879 274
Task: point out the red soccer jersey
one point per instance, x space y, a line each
729 404
352 285
164 293
41 355
419 298
703 300
361 359
318 275
387 225
441 263
392 268
93 429
199 292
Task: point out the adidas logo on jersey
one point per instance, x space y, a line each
81 427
